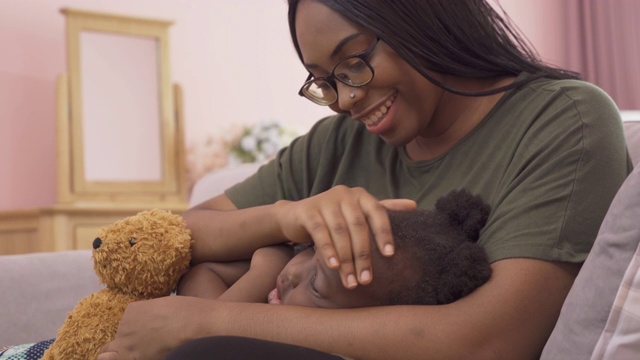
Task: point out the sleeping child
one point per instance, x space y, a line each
437 261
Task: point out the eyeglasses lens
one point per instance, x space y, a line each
353 72
320 92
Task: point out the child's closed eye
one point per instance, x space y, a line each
312 283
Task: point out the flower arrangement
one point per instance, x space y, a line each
239 144
260 142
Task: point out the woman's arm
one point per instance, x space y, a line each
508 317
223 233
339 221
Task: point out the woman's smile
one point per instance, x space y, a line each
374 117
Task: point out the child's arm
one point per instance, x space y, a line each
241 281
211 279
255 284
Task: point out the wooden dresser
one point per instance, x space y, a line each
63 227
108 168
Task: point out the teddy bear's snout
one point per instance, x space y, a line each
96 243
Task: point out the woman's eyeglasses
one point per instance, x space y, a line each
353 71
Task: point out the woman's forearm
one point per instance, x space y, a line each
416 332
229 234
490 323
506 318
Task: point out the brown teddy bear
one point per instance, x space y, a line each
139 257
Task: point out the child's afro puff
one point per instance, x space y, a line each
442 245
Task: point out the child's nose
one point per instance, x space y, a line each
294 277
297 274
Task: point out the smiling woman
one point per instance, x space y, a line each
462 103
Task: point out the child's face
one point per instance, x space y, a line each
307 281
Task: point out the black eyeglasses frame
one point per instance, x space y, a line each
364 55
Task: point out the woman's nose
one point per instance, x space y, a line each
347 96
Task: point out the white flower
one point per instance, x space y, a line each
270 148
273 135
261 142
249 143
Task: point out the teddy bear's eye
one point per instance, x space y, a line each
132 241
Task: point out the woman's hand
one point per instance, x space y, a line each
149 329
340 223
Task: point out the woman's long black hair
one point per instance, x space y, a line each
465 38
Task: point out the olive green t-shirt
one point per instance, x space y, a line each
548 158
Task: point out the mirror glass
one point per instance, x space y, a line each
120 72
120 133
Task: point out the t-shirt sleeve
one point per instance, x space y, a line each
564 174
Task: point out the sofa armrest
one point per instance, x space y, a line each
38 290
216 182
591 298
632 135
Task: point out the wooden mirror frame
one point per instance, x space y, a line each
73 184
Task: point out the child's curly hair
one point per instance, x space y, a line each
441 246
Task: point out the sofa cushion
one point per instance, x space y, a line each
632 135
589 302
621 336
38 290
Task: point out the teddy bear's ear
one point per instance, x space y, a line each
465 211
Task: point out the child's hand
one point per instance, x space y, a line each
271 257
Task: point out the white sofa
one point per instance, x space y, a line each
37 290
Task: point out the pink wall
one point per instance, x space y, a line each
220 50
542 23
222 53
27 105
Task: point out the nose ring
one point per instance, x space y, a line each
352 95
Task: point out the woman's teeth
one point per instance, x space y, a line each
378 115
